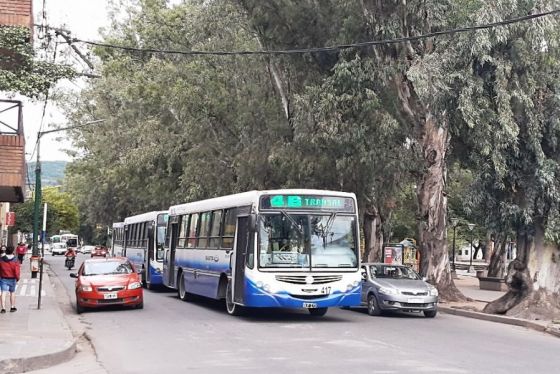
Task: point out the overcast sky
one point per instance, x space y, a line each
83 18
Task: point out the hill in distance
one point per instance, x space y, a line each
52 172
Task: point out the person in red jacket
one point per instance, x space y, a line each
21 250
9 276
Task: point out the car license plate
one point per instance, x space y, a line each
415 300
309 305
110 295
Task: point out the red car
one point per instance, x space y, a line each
107 281
99 250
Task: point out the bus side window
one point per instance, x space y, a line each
191 243
228 231
215 229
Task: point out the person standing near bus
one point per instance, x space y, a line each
9 276
21 250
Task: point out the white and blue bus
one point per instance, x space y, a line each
283 248
143 245
117 239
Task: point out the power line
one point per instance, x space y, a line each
323 49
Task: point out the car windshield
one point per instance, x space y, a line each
303 241
393 272
108 267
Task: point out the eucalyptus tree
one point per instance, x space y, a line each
509 106
177 128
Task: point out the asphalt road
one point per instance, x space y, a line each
172 336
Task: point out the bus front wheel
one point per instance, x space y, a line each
318 312
183 294
232 308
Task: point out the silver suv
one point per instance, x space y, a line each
396 287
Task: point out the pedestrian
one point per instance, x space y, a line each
2 250
9 276
21 250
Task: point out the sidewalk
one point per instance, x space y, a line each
468 284
34 338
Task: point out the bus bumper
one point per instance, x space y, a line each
257 297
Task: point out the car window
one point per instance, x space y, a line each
108 267
393 272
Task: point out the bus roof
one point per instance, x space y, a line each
144 217
244 199
118 225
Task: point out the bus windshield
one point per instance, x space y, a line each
307 241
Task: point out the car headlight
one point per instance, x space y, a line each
134 285
86 288
388 291
433 291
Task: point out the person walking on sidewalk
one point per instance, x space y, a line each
9 276
21 250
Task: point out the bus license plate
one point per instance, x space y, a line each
110 295
309 305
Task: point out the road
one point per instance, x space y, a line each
171 336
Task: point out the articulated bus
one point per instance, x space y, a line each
282 248
143 245
117 239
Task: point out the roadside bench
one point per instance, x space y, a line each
492 283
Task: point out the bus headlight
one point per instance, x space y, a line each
264 286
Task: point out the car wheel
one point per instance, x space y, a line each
79 309
430 313
232 308
373 305
318 312
183 294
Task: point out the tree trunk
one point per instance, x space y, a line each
373 235
497 264
533 279
432 205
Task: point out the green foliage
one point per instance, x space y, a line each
20 71
62 214
52 172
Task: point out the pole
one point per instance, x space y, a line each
43 233
471 254
453 260
36 207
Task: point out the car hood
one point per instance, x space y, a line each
108 280
402 284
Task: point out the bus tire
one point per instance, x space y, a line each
318 312
232 308
183 294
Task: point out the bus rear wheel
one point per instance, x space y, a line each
183 294
318 312
232 308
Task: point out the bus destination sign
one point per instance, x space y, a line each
307 202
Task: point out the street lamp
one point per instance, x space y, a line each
35 251
471 227
454 224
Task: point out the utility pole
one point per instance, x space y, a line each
38 195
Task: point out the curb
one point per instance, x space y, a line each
500 319
22 365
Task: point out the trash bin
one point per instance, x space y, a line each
34 263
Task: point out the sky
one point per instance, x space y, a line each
83 18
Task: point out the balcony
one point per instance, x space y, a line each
12 152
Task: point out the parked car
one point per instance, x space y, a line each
99 250
58 249
110 281
397 287
87 249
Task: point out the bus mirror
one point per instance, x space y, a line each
253 222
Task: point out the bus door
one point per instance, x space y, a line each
238 267
150 254
169 261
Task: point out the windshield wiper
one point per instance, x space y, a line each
330 223
293 222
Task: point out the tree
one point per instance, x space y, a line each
20 71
